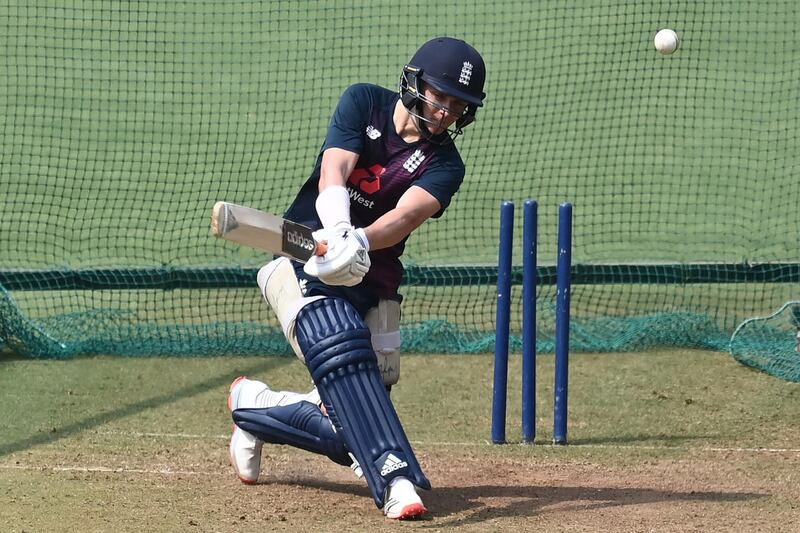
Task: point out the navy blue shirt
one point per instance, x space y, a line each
387 166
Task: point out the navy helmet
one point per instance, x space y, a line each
450 66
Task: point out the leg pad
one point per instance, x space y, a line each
338 351
300 424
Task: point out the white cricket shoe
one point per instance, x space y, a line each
402 501
245 448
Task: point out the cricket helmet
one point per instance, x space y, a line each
450 66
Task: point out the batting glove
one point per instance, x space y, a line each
346 262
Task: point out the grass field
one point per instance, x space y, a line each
659 441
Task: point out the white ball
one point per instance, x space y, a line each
666 41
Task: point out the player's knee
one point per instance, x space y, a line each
384 324
281 289
332 335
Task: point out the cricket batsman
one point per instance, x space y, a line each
388 164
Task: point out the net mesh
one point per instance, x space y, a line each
123 123
771 343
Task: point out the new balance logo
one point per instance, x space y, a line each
392 463
413 162
373 133
466 73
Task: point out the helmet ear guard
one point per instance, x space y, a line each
409 86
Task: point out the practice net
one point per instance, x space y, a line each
123 123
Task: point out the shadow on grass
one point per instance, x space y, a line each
459 506
7 355
532 501
145 405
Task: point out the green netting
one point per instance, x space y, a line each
123 122
771 343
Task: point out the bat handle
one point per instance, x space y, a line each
321 249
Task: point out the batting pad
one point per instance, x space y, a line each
338 349
300 424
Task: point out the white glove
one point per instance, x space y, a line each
346 262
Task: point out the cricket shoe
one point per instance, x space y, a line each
245 448
402 501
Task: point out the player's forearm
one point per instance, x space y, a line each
415 207
392 228
337 165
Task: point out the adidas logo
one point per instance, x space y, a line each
392 463
298 239
413 162
373 133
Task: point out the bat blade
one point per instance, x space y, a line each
264 231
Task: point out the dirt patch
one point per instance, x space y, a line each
478 492
481 489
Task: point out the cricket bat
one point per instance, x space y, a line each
264 231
